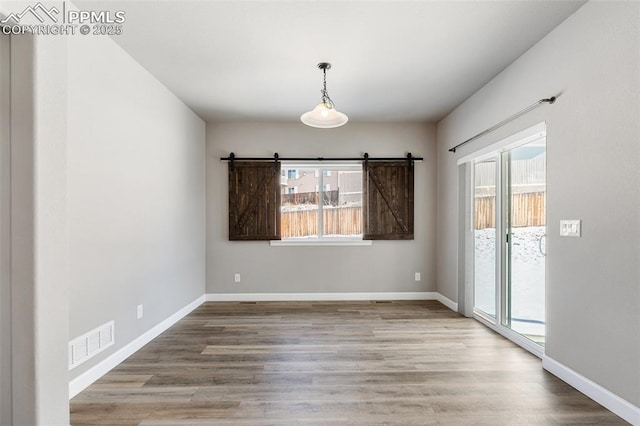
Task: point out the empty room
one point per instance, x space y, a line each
319 212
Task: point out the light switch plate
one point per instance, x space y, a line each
570 228
236 278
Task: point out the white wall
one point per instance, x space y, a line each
136 195
39 275
387 266
593 155
5 230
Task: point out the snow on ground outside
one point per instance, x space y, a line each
527 276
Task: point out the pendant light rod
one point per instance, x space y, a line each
324 66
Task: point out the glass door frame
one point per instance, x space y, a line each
505 236
500 152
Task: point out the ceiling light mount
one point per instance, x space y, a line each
324 115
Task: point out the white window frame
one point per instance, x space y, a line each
322 167
296 173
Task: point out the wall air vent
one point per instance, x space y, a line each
90 344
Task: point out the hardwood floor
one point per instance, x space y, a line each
360 363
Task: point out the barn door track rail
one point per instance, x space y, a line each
276 157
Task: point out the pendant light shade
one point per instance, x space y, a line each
324 115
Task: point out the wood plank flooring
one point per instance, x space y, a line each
356 363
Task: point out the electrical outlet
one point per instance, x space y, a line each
418 276
236 278
139 311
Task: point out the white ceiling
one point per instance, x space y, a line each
392 60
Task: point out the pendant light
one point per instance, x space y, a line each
324 115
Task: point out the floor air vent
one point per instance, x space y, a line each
90 344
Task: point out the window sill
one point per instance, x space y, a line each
328 243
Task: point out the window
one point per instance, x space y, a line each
343 202
327 203
325 187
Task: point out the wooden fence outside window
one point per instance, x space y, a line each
528 209
336 220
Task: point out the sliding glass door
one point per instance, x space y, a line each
526 230
509 211
485 236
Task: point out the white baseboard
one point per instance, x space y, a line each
318 297
447 302
85 379
602 396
